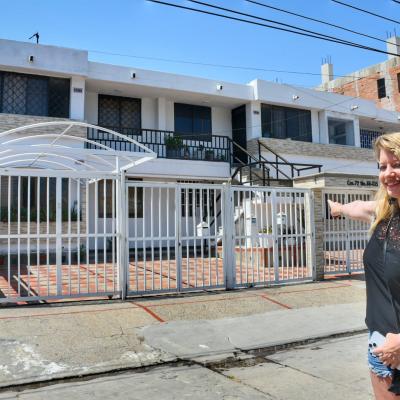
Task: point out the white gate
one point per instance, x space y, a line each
344 239
273 235
57 235
174 237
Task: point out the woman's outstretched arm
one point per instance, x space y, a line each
359 209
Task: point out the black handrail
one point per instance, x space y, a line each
167 144
264 179
276 163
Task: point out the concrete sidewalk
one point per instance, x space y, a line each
45 342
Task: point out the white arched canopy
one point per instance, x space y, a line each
52 145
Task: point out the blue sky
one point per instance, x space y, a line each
142 29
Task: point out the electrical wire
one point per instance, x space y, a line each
317 20
366 11
269 20
340 41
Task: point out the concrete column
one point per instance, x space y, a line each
323 127
393 46
314 126
318 222
356 127
162 114
326 72
253 120
77 98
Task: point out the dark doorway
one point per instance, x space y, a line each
239 134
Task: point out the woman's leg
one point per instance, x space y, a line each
380 386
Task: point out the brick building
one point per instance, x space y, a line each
379 82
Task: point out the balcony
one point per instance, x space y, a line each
166 144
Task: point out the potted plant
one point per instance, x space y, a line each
173 145
209 154
186 152
199 151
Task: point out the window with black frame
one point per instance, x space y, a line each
381 87
34 95
193 122
122 114
286 123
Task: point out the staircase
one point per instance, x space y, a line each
261 171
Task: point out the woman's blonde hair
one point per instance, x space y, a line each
384 208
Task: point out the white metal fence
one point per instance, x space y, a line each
272 235
67 235
55 237
344 239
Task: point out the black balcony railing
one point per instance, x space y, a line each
166 144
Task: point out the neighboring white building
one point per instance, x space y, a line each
41 83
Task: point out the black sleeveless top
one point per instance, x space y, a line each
380 315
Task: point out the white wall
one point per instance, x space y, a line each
149 113
221 121
91 107
77 98
51 59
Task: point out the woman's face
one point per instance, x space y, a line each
389 175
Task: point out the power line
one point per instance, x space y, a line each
317 20
269 20
396 1
366 11
340 41
228 66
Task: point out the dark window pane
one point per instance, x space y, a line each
381 88
37 96
59 97
398 82
193 121
283 122
14 93
120 113
108 111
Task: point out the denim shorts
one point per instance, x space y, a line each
376 365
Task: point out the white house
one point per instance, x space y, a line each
190 131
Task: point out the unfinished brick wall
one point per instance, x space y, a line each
363 83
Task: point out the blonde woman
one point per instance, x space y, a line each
382 267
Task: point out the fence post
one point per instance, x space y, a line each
317 225
122 219
229 261
58 233
311 227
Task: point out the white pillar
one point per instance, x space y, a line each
77 98
323 127
356 127
253 120
314 126
162 114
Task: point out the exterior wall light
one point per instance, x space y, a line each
31 59
219 87
133 75
295 97
352 108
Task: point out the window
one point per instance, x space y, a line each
398 81
122 114
34 95
193 122
381 88
286 123
341 131
30 197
